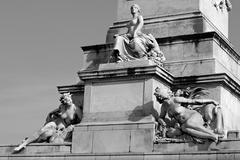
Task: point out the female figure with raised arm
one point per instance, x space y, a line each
134 44
190 121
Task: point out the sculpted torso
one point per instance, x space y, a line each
132 26
174 109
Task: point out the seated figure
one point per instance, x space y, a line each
190 121
58 125
134 44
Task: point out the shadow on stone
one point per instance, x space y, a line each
140 112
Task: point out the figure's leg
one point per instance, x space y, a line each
219 121
30 139
199 134
119 49
194 126
45 132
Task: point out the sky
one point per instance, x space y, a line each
40 44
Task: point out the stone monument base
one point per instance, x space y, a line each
165 151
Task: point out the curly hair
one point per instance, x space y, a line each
65 97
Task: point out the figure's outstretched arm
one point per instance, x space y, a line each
195 101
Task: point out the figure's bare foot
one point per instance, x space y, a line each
20 147
216 140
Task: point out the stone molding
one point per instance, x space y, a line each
218 38
152 70
218 78
71 88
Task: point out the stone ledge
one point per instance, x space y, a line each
224 145
201 155
114 126
129 69
38 148
71 88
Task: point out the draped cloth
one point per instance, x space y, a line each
142 46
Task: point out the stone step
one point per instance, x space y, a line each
36 148
189 146
203 155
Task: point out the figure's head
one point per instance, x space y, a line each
66 98
162 93
135 8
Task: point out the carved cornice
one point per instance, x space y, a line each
153 70
216 79
221 79
98 47
71 88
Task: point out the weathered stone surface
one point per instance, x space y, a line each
230 104
197 156
225 156
154 8
169 147
162 157
116 96
80 157
142 140
189 147
110 137
38 148
111 141
168 26
191 68
126 157
82 141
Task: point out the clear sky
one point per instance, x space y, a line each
40 49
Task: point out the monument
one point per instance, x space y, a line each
182 46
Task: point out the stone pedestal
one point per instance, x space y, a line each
119 108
